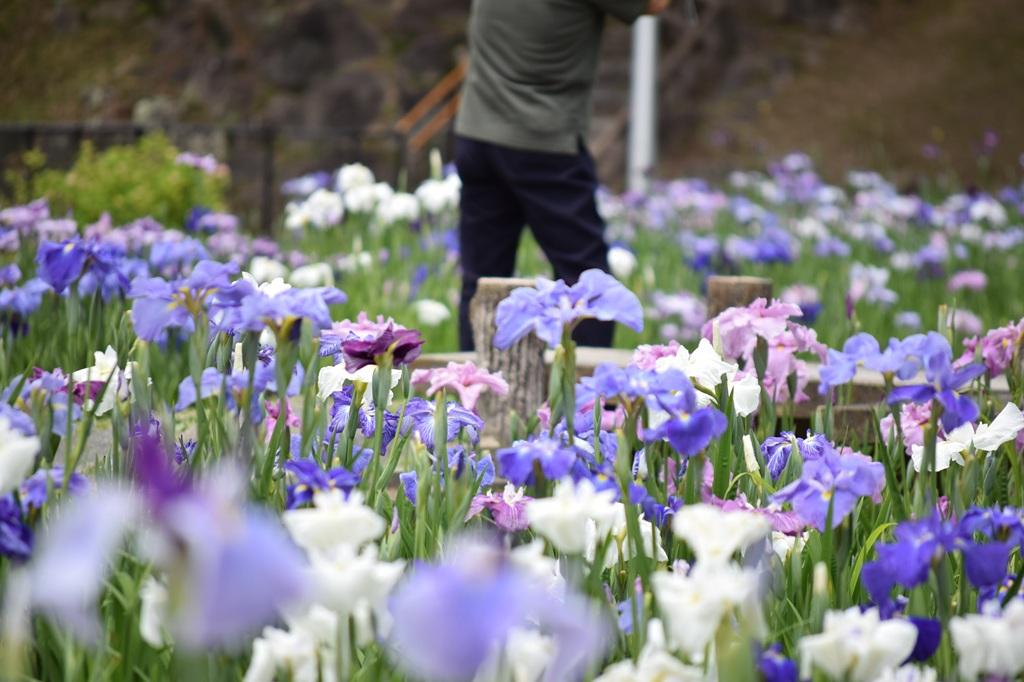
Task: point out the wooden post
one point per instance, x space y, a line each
729 292
522 365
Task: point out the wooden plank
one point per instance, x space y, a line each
452 80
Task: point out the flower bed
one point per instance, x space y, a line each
251 481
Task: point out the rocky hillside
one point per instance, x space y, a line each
343 63
911 87
898 84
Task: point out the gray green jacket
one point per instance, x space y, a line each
532 65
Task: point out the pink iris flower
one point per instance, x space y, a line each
975 280
466 379
913 418
646 357
998 348
740 327
508 508
292 420
787 522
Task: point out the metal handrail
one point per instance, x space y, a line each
615 130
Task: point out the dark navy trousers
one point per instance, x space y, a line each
505 190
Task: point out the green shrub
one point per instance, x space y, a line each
128 181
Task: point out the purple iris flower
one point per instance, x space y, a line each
832 246
157 307
702 252
184 451
236 565
243 307
15 535
368 424
775 667
462 462
586 463
419 278
419 417
310 478
936 356
409 481
811 311
482 608
931 260
929 636
482 469
35 490
477 593
814 446
20 421
897 359
996 523
103 270
908 559
773 245
114 280
601 476
212 380
305 185
24 300
51 388
836 480
61 263
626 606
630 382
23 218
520 462
172 258
160 305
17 304
985 562
342 405
900 358
549 306
403 345
653 511
688 428
9 241
287 307
776 451
9 275
195 215
838 370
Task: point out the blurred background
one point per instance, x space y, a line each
912 88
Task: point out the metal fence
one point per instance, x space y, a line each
260 157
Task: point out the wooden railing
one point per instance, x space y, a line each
434 111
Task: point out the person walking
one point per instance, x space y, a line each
520 141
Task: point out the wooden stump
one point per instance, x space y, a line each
522 365
729 292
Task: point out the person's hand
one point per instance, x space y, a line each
657 6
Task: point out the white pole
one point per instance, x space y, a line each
641 155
